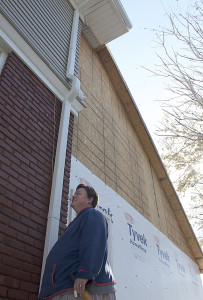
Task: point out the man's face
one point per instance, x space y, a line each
80 200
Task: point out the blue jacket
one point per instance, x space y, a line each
82 250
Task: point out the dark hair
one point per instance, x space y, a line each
91 193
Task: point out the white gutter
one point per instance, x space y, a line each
58 175
119 6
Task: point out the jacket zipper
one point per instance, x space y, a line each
53 272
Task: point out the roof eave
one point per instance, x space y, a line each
103 20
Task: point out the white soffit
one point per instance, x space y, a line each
104 20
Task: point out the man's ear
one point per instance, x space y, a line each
90 200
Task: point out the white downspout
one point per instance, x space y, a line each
3 57
58 175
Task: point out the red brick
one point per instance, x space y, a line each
13 243
8 152
1 135
17 112
16 183
26 145
9 282
47 176
26 136
18 254
40 205
39 194
4 219
31 116
41 91
4 160
9 212
46 188
18 274
3 175
41 228
35 278
6 250
25 239
35 181
4 105
21 210
8 74
33 297
7 120
37 261
31 269
39 158
14 197
16 168
6 202
33 123
12 262
43 214
9 66
21 102
26 182
33 251
5 269
63 213
21 157
3 291
7 89
2 238
38 219
24 257
30 169
2 190
16 121
18 295
9 171
39 245
47 152
30 157
36 234
19 82
12 60
33 134
23 196
18 226
28 223
42 179
29 149
31 207
36 168
3 129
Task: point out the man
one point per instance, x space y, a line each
82 251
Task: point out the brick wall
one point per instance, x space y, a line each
29 122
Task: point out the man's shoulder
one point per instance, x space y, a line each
94 214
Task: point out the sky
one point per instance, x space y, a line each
137 49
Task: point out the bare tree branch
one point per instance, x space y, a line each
181 130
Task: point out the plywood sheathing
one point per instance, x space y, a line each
150 150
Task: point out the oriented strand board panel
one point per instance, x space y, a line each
111 140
